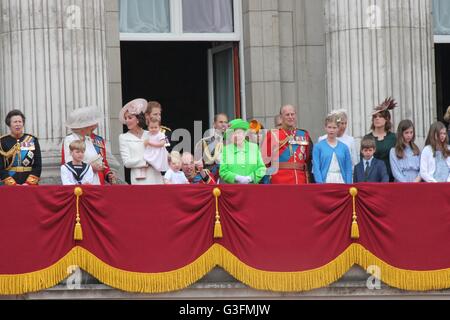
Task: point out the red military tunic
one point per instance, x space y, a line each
288 156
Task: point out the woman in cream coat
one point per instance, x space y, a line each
132 144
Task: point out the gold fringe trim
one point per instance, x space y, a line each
321 277
38 280
410 280
288 281
217 255
117 278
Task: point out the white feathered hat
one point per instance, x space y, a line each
135 107
84 117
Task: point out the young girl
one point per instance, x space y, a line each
405 156
155 153
332 162
435 158
174 175
343 137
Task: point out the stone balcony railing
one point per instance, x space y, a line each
220 285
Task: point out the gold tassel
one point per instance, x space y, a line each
218 230
355 229
217 226
78 232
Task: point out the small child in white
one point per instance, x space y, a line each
77 171
174 175
155 153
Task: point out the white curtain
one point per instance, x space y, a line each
145 16
224 83
203 16
441 14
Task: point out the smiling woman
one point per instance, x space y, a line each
20 154
132 144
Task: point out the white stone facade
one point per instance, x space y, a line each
285 60
377 49
315 54
53 59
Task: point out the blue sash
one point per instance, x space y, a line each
286 154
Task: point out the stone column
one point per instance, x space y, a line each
376 49
262 59
52 60
285 60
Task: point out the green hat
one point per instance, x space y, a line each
239 124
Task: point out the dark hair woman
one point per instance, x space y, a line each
132 144
20 153
381 131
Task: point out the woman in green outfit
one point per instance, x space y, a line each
241 160
381 132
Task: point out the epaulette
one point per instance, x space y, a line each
166 128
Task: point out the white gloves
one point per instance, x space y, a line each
243 179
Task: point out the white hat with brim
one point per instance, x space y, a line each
83 117
135 107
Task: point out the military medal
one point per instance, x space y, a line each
304 142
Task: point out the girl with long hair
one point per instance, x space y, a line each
435 157
405 156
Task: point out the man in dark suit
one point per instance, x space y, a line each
370 169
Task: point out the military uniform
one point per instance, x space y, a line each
168 133
20 160
289 153
209 149
198 179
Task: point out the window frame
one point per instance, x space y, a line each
441 38
176 26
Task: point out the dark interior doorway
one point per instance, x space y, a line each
172 73
442 52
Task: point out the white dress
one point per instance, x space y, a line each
132 154
157 157
349 141
90 155
334 174
428 164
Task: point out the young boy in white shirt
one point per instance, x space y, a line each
76 171
174 175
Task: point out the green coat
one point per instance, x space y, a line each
243 162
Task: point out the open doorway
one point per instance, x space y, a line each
172 73
192 80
